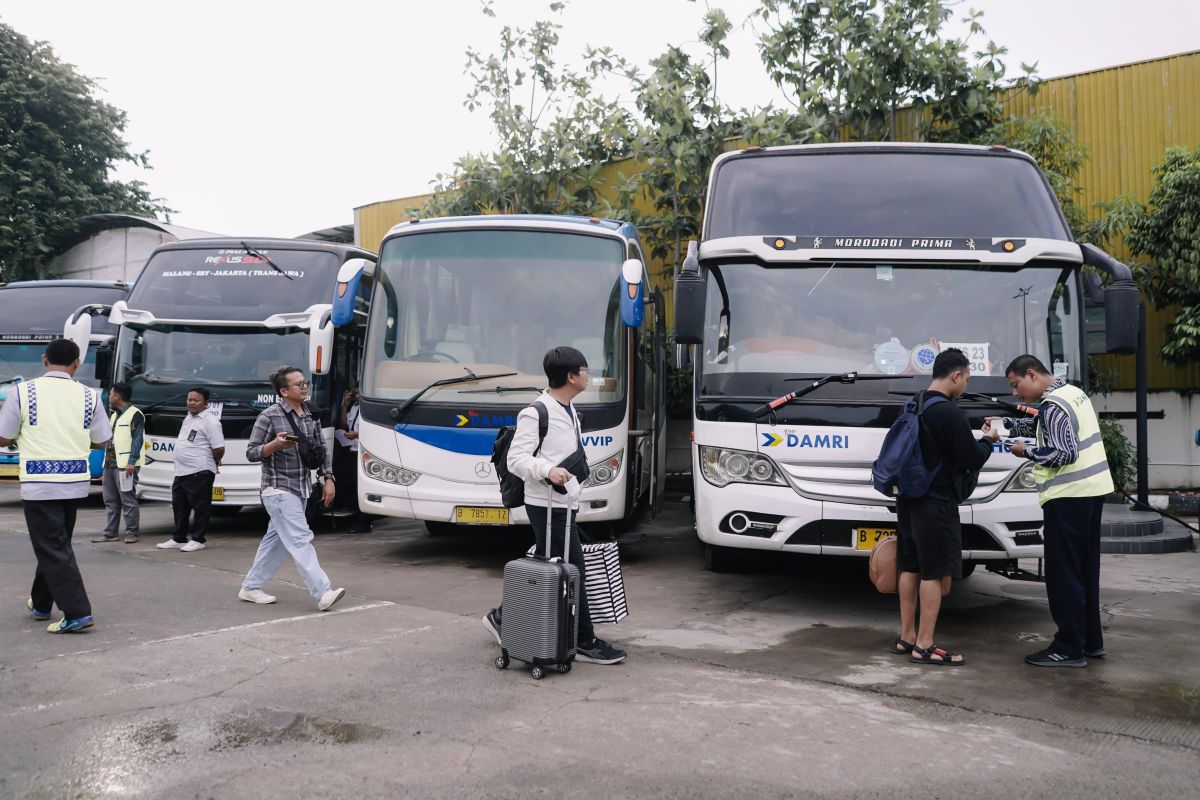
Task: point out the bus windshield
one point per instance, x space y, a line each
493 301
898 193
883 319
44 309
229 284
235 364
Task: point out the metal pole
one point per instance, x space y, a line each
1143 460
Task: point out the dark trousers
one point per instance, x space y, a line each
57 580
537 518
192 493
1072 549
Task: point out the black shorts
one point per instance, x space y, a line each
929 539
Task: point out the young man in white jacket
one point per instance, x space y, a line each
567 373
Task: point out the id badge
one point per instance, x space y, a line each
192 435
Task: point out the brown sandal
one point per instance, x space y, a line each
936 655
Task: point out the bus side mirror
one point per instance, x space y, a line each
633 300
691 293
320 344
1121 301
349 276
78 329
104 362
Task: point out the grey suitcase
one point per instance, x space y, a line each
541 607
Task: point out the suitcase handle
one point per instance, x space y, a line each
550 525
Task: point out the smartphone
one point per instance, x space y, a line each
291 437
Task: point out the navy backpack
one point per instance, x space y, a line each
900 470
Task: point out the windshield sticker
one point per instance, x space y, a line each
976 353
232 273
922 358
1060 369
213 410
983 243
883 272
891 358
28 337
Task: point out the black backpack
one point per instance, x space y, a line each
512 488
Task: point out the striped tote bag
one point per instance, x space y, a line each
604 585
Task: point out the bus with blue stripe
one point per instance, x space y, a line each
32 313
462 314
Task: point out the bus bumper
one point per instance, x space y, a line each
235 484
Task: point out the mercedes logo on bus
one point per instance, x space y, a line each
483 469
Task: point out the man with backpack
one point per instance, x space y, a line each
937 471
547 448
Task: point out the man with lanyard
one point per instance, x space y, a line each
123 459
346 463
58 421
198 451
276 443
1071 470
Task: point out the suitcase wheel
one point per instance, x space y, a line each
537 673
501 661
563 669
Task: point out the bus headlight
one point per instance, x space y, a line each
722 466
381 470
604 472
1022 480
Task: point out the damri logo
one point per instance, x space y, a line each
473 419
823 441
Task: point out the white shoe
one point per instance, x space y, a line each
256 596
192 547
329 598
171 544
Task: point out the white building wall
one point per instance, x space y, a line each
112 255
1174 458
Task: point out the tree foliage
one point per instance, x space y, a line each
59 143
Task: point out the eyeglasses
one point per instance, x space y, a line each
300 385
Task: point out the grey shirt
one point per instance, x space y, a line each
198 437
283 471
10 428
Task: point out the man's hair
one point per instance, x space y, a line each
62 352
948 361
124 390
560 362
279 378
200 390
1022 364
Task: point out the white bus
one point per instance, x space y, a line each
224 314
463 311
823 269
33 313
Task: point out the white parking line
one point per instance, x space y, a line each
316 615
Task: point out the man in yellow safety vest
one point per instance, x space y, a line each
123 459
1072 476
58 421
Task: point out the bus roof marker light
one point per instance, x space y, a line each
780 244
1009 246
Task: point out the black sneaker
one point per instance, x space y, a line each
598 651
491 621
1052 658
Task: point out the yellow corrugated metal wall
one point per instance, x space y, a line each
1125 116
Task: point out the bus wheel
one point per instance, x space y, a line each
967 568
718 559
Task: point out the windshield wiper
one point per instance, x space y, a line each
168 399
399 410
502 390
844 377
1002 402
251 251
252 382
14 379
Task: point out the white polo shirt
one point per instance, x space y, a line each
198 436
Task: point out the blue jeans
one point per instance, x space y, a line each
287 534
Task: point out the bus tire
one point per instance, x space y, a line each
718 559
968 567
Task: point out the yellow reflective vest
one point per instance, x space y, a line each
56 421
1089 475
123 436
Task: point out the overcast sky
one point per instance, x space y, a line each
276 118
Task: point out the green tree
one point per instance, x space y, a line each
59 143
1166 233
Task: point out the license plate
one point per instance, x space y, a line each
218 493
473 515
10 470
867 538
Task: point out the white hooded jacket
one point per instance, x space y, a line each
561 442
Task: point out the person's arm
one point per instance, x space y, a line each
1061 447
137 431
101 430
261 443
521 460
216 440
967 453
10 419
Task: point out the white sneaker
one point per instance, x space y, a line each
329 598
171 544
192 547
256 596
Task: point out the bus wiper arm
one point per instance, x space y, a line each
1002 402
843 377
265 258
252 382
165 400
397 412
502 390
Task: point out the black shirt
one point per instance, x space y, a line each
946 439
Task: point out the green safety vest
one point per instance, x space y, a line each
123 436
1089 475
56 422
